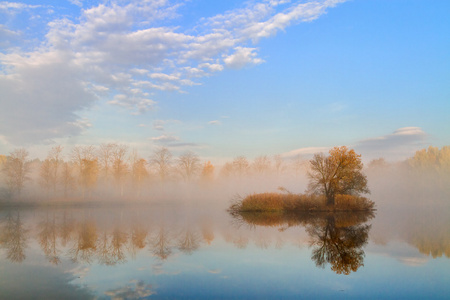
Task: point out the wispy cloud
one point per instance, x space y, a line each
160 124
164 139
400 144
307 151
136 290
215 122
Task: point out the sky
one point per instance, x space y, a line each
226 78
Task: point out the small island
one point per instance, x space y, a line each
336 184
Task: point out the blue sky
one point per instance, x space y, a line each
226 78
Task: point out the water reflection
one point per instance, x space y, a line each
115 237
13 237
335 238
340 246
146 251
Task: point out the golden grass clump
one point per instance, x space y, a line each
288 202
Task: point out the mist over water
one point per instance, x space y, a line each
174 238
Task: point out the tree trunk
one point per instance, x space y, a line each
330 199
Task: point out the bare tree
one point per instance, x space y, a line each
261 165
48 171
278 164
241 165
227 170
55 158
105 158
161 159
119 166
188 165
16 169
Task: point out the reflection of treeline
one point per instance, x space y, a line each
117 171
430 233
62 236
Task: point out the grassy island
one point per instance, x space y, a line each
335 183
288 202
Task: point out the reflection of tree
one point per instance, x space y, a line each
66 229
13 238
85 243
103 250
161 244
118 241
262 241
336 238
48 239
339 246
207 232
138 238
189 241
110 249
241 241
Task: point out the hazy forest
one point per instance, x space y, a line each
114 172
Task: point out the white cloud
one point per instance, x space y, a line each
118 49
160 124
211 67
162 76
242 57
134 100
77 2
215 122
138 291
6 5
165 139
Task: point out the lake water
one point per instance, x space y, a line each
165 252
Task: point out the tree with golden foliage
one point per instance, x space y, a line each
207 174
139 171
431 159
85 159
338 173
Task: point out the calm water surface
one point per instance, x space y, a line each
133 252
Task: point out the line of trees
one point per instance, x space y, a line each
122 172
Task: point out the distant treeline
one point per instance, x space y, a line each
115 171
120 172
